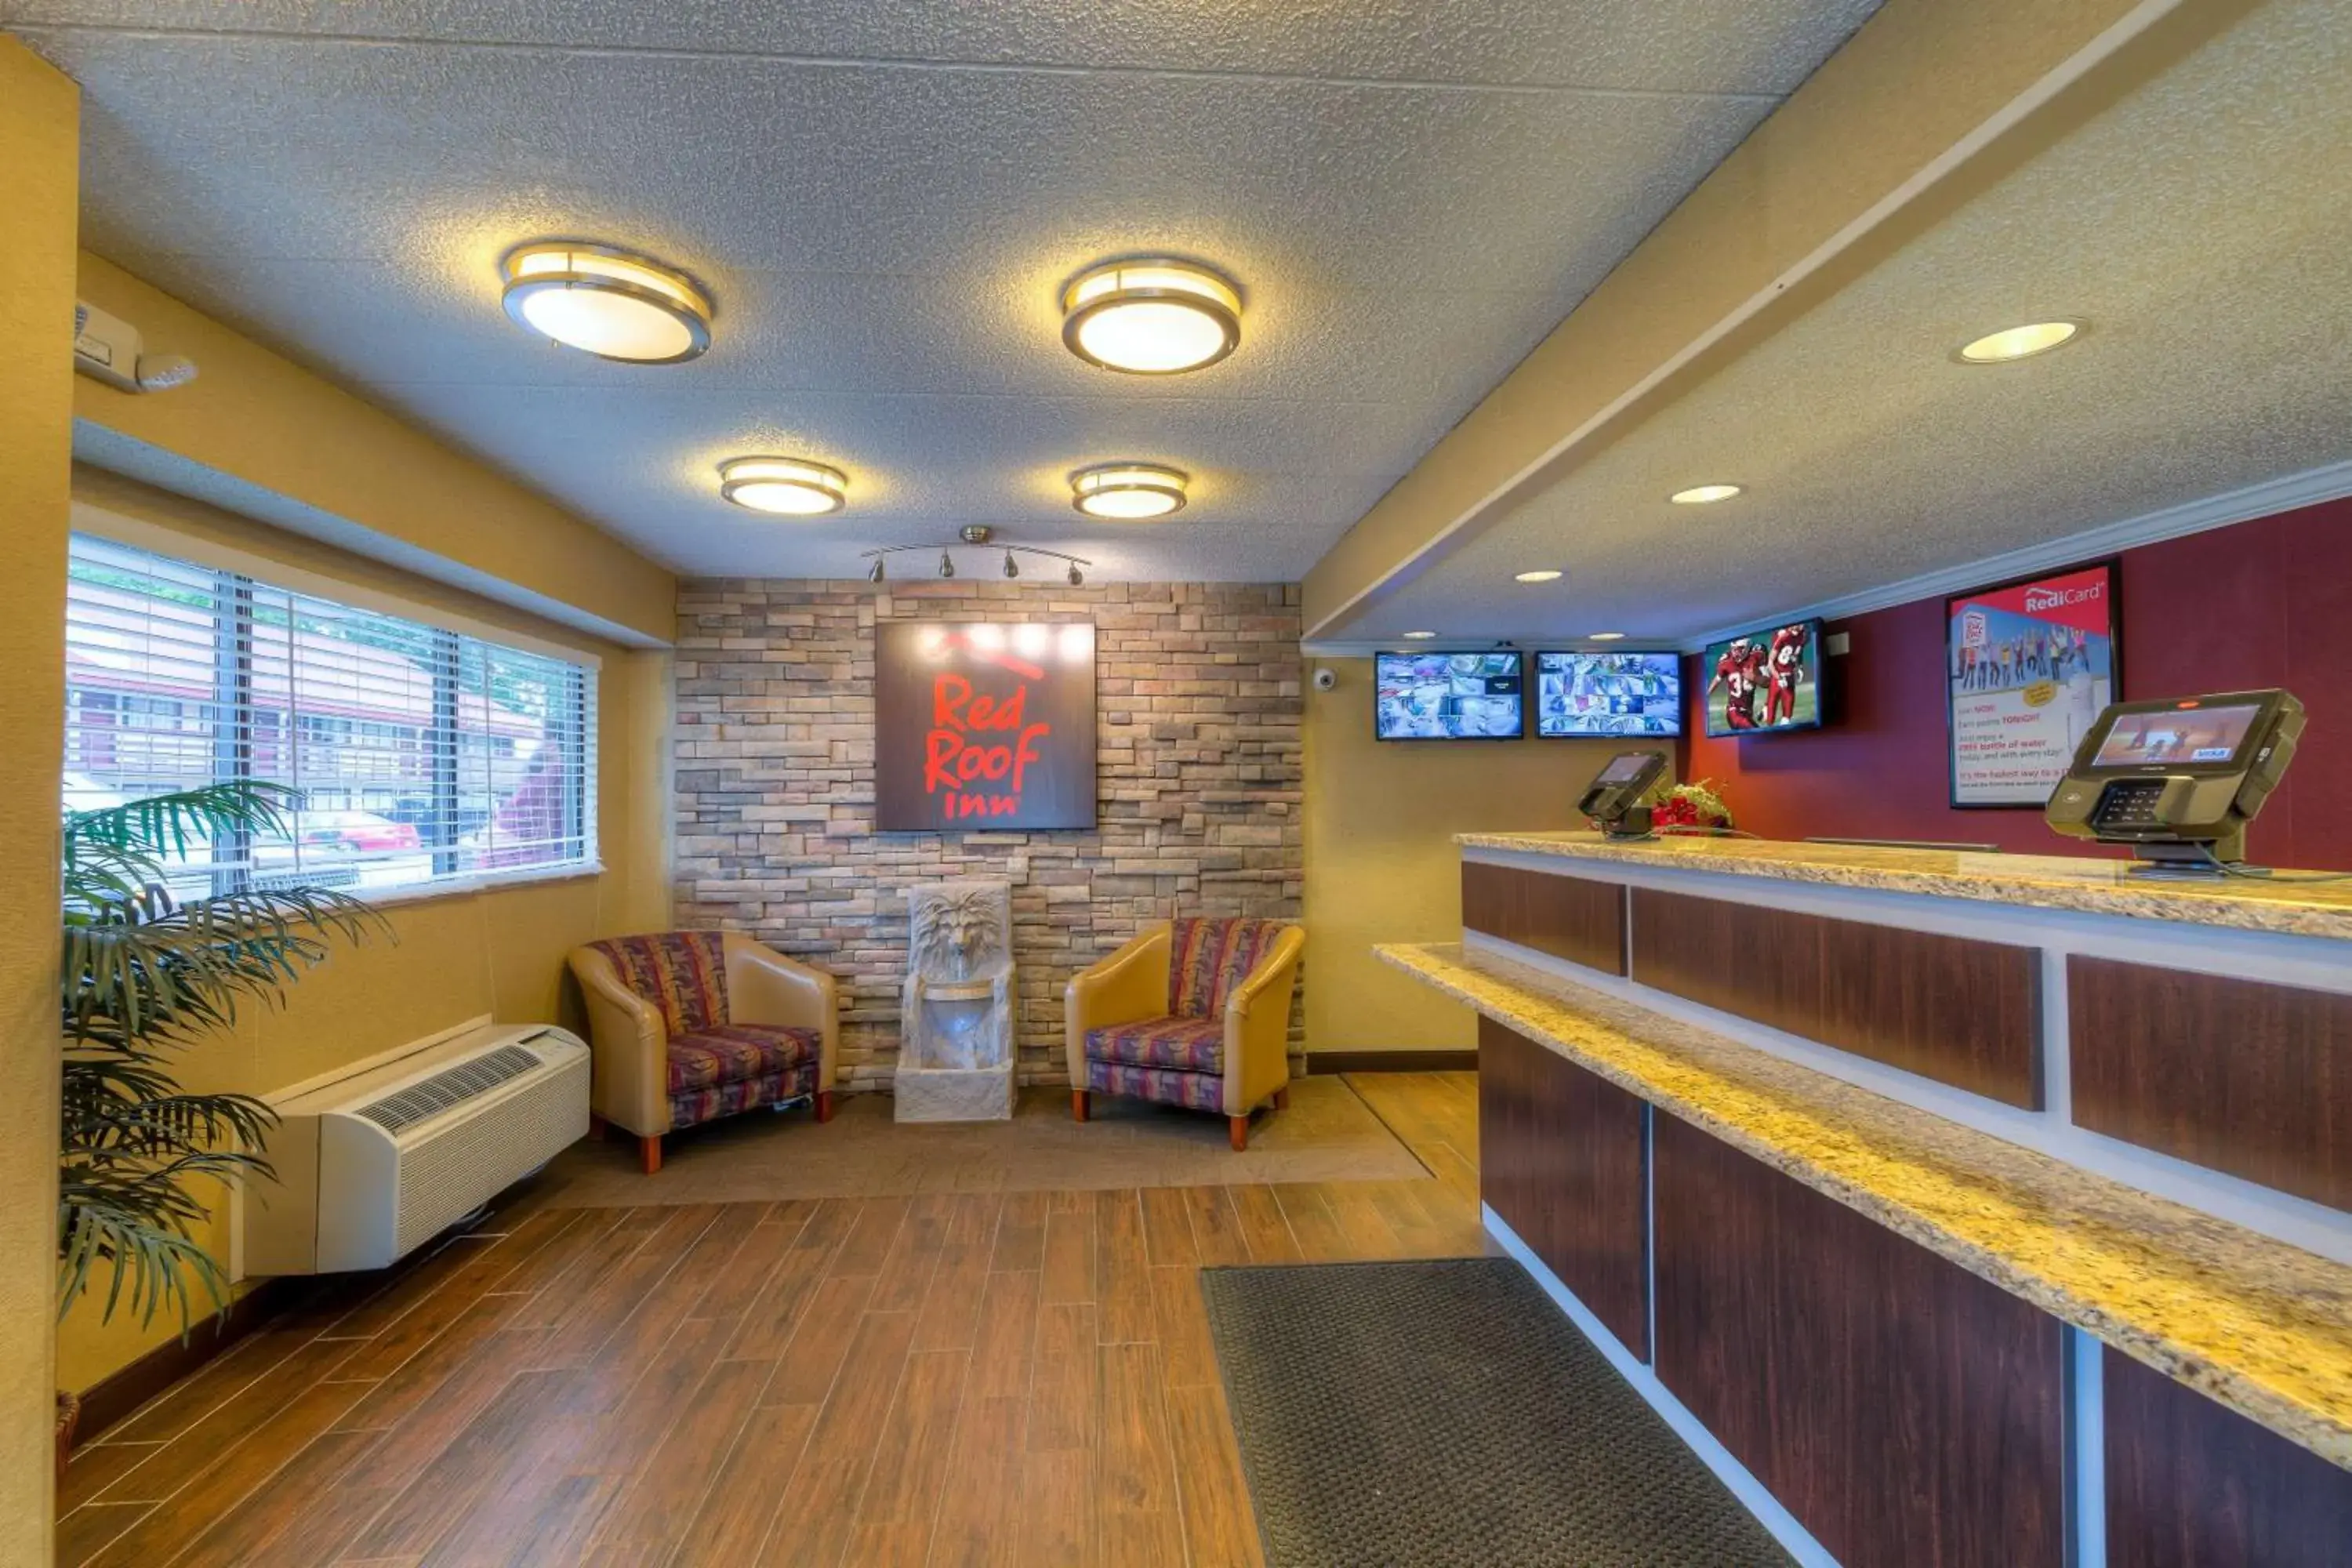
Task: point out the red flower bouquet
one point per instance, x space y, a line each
1691 805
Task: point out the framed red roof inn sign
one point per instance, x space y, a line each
983 724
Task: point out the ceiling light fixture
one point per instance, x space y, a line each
606 301
1606 637
972 533
792 487
1419 637
1705 495
1129 491
1541 574
2019 342
1155 317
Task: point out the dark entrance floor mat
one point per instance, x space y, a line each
1446 1412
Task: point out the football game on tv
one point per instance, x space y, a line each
1447 696
1764 682
1619 692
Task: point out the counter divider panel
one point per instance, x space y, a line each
1574 917
1903 1409
2241 1076
1561 1158
1960 1010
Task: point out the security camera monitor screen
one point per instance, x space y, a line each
2175 737
1447 696
1764 682
1613 693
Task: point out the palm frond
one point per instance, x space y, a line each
172 824
188 965
142 976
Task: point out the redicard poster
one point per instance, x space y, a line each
2030 666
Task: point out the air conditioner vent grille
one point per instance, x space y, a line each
430 1097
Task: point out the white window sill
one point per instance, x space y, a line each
486 882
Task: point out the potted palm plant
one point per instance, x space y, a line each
143 976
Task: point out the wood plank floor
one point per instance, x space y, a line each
943 1379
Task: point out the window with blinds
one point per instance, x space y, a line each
419 754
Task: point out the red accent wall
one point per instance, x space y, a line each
2262 602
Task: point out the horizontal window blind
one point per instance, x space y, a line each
420 754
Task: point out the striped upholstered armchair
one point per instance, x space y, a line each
686 1026
1193 1013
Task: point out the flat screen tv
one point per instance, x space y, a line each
1764 682
1623 692
1448 696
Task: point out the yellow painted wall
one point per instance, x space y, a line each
260 419
1381 864
497 952
39 152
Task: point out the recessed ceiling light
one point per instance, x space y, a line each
2018 343
790 486
1129 491
1541 574
1151 318
1701 495
1605 637
611 303
1419 637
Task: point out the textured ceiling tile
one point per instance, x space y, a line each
922 465
886 244
1673 46
348 150
2200 226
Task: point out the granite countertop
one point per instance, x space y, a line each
2287 905
2261 1326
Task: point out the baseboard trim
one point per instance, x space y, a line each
1322 1062
109 1401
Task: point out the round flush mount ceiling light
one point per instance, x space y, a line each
1540 574
1419 637
791 487
1129 491
1157 317
1605 637
1705 495
2018 343
609 302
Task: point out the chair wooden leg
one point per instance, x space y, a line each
1282 1099
1079 1105
824 1105
1238 1126
649 1154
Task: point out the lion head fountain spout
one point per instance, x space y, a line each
956 1052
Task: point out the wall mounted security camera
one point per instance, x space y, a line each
1326 678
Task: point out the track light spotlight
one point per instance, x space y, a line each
946 564
1011 567
1076 576
875 575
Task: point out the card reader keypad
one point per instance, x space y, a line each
2127 804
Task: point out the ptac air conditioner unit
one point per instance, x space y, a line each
373 1165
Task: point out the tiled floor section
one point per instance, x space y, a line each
958 1378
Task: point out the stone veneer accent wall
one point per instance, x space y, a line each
1198 692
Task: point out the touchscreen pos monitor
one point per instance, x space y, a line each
2179 779
1613 800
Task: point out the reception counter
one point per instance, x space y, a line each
1960 1208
